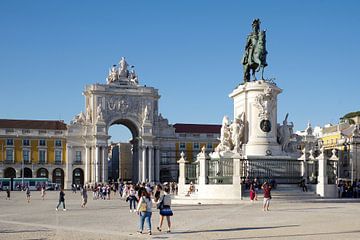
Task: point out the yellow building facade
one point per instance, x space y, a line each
33 149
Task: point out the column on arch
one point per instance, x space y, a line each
68 172
144 161
87 177
151 163
97 153
157 164
104 165
140 164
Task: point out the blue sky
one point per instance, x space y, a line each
189 50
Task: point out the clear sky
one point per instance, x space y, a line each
189 50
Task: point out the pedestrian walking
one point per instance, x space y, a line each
7 194
144 210
28 194
252 193
164 205
267 195
61 200
84 197
132 199
43 193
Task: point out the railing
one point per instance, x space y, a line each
281 170
191 173
77 162
58 163
220 171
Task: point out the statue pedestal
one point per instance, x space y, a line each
258 100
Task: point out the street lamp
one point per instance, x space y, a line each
22 173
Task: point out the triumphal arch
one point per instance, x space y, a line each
121 100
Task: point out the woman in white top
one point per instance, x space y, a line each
145 214
164 204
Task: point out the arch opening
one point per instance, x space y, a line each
123 151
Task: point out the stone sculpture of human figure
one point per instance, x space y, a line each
225 136
123 67
203 149
285 132
88 113
133 77
237 133
99 112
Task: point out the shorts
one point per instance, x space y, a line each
267 201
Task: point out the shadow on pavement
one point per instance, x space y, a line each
235 229
294 235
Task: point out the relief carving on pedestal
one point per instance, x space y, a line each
265 102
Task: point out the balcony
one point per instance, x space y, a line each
58 163
8 162
27 162
77 163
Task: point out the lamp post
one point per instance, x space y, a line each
22 173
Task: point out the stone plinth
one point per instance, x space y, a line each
258 100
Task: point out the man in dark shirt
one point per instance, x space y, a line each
267 195
61 200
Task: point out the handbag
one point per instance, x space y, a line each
143 206
160 205
166 212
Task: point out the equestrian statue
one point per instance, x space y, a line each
254 58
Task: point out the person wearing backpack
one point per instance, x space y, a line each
144 210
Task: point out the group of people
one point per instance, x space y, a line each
254 187
142 197
346 189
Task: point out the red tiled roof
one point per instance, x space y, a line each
32 124
196 128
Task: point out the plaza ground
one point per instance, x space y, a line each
111 219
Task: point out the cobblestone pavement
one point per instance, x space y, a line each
111 219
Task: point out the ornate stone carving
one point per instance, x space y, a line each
265 102
121 75
232 135
118 104
99 112
79 119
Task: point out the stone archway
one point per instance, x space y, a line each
9 173
58 177
134 170
27 173
78 176
42 173
122 100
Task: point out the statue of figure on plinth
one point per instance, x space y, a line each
254 57
123 65
100 116
284 133
225 136
237 132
